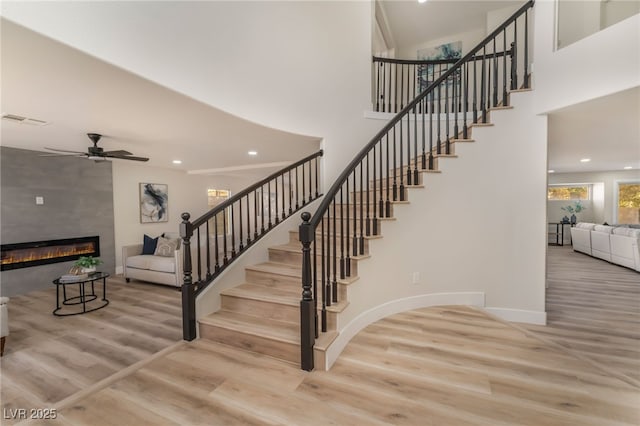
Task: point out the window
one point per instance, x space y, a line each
628 203
569 192
215 197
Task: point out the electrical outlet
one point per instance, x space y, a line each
39 201
415 278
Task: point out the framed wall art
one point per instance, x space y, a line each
154 202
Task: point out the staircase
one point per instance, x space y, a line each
265 313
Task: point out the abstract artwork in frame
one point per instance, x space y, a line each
154 203
427 74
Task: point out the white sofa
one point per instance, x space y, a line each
615 244
152 268
625 247
581 237
4 322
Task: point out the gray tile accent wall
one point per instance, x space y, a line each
78 202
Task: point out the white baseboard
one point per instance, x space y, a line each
394 307
519 315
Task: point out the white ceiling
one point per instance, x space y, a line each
79 94
606 130
413 23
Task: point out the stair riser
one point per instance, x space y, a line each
282 350
294 238
376 196
290 258
261 308
280 281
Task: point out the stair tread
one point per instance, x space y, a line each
296 248
283 331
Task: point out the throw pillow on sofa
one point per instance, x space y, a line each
149 244
166 247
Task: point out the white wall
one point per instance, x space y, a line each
477 227
187 193
604 202
303 67
601 64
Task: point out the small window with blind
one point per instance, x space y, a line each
215 197
569 192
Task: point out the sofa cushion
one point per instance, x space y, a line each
149 245
152 263
585 225
627 232
603 228
166 247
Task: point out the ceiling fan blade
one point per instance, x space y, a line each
120 152
126 157
63 155
64 150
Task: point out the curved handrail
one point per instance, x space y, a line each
431 120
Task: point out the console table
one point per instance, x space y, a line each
558 233
84 294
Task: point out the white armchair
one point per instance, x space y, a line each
4 322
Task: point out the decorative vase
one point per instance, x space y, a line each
89 270
565 219
573 219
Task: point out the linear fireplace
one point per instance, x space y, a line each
24 255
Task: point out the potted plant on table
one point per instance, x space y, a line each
574 209
88 264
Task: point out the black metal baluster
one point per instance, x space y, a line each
261 210
409 174
342 265
346 235
495 75
482 91
395 167
208 250
401 164
456 95
355 214
334 284
240 222
304 188
525 82
310 183
423 164
277 215
225 259
216 249
297 190
367 209
374 223
248 222
314 264
439 118
198 258
388 204
381 204
415 146
323 279
255 214
514 58
401 86
504 67
270 224
431 107
233 234
284 214
395 91
317 184
465 128
290 194
328 288
475 90
377 68
361 210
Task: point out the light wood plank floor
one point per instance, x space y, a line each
433 366
593 309
49 358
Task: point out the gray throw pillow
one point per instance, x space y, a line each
166 247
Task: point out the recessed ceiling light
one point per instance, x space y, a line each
585 160
177 161
252 152
422 1
628 167
552 171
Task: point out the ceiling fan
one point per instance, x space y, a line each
95 152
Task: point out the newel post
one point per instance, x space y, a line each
188 290
307 314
